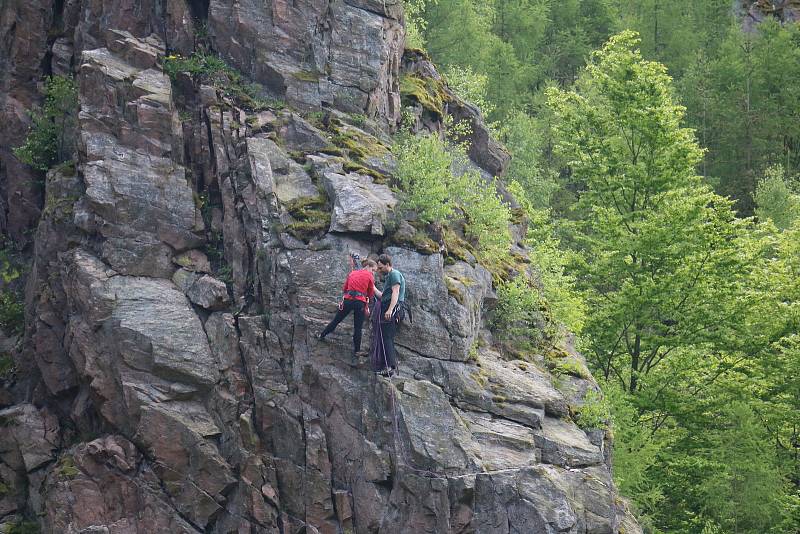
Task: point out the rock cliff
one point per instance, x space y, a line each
170 378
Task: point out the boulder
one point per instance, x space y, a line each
30 438
193 260
281 175
297 134
359 204
447 317
202 289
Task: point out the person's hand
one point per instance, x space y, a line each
387 315
367 312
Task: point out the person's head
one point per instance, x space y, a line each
384 263
369 265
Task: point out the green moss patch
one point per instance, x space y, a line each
358 145
454 289
66 467
428 92
312 217
306 76
377 177
456 246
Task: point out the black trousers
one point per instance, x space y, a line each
350 305
388 330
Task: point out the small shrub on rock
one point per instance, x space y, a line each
212 70
51 138
594 412
516 317
438 195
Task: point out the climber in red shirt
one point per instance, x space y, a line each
358 288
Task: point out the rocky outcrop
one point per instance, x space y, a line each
186 262
754 12
344 54
428 98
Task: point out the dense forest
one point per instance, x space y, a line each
655 150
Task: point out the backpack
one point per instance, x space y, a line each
402 309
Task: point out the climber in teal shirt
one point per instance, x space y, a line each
392 311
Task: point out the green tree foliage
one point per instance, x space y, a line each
415 22
51 137
746 493
775 199
518 44
556 285
516 314
470 86
667 275
524 138
423 168
737 86
662 245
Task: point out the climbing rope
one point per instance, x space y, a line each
400 450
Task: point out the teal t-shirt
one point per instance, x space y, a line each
391 279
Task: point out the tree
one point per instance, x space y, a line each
745 493
775 200
663 246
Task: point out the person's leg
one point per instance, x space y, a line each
388 329
340 315
358 324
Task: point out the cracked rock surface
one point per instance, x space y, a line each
184 266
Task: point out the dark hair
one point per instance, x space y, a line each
385 259
368 263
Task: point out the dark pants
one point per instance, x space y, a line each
388 330
350 305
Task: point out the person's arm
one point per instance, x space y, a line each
377 292
393 302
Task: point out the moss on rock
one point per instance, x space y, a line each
312 217
429 92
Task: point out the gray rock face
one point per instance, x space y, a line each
30 439
106 485
482 149
135 187
445 325
359 204
342 54
202 289
281 174
754 13
214 407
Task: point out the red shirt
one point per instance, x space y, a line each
362 281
